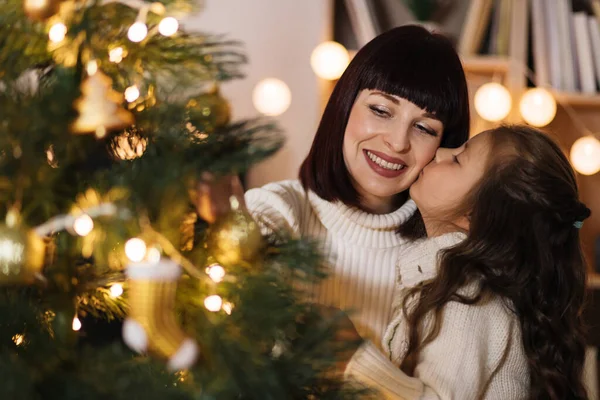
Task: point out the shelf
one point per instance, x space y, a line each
578 99
492 64
486 64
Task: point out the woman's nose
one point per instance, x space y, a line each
398 141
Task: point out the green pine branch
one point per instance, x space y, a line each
273 345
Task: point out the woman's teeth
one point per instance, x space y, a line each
384 164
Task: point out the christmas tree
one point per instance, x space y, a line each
109 113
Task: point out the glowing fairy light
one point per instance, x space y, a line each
116 290
57 32
135 249
137 32
83 225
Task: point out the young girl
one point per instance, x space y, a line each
491 301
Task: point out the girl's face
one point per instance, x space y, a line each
443 184
387 142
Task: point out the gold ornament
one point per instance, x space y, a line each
21 255
40 10
129 145
99 107
209 111
235 238
151 324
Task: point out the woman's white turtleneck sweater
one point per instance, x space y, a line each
370 265
361 249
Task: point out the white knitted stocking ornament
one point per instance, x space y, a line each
151 324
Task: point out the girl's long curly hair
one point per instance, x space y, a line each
523 246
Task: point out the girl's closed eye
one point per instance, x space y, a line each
427 130
455 158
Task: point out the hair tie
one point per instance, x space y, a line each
578 224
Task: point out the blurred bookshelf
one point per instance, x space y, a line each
521 43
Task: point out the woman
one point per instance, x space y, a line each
491 301
403 95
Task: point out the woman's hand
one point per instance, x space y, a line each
212 195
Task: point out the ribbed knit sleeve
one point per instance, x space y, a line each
371 368
277 206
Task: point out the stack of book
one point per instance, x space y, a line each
563 39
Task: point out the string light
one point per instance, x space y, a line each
216 272
92 67
157 8
227 307
585 155
168 26
12 217
116 290
76 324
153 255
271 96
132 93
213 303
537 107
492 102
51 157
116 55
135 249
35 5
83 225
329 60
137 32
57 32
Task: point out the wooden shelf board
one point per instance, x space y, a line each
490 64
578 99
486 64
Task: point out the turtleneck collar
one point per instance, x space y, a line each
361 227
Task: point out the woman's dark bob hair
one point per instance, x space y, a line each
409 62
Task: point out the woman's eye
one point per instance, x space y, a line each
455 159
426 130
379 111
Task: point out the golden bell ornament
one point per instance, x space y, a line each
209 110
21 255
99 107
235 238
40 10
